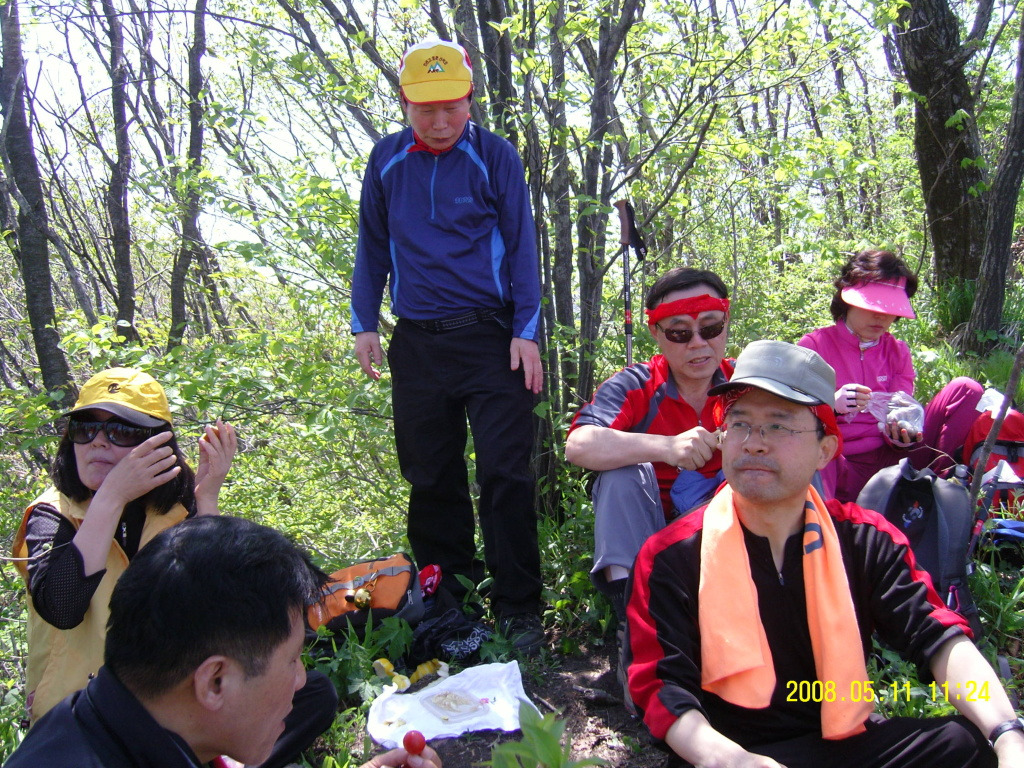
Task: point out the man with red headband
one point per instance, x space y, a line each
651 421
750 620
445 221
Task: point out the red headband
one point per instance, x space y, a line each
692 306
827 417
823 413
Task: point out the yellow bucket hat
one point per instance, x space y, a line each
129 394
435 70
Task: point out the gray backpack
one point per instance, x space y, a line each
936 517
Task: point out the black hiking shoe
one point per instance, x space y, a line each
524 630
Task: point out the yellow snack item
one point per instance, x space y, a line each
386 670
383 668
424 669
401 681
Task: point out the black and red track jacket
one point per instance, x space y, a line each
891 596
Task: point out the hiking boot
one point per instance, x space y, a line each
524 630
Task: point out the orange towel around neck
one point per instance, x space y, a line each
736 662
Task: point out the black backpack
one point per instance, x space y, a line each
937 518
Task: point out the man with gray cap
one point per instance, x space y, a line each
750 620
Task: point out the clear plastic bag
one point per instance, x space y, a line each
900 407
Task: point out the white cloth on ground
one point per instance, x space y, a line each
481 698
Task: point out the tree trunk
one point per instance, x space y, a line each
191 236
561 310
946 138
117 191
597 163
24 183
498 60
986 314
467 34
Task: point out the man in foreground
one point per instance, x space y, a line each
652 420
202 657
445 221
750 619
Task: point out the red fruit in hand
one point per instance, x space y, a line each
414 742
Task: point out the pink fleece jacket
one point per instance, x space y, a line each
885 367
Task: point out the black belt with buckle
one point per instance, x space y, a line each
460 321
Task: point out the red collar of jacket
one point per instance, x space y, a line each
422 146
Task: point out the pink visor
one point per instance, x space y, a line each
888 297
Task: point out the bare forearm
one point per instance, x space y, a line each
973 686
96 532
693 739
602 448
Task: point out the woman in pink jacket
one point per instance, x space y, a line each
873 289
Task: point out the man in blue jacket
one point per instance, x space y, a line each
445 221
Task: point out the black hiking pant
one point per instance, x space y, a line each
439 380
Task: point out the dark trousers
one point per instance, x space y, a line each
438 381
900 742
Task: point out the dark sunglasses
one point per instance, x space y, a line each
683 335
117 432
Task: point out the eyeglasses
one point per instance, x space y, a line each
117 432
683 335
740 431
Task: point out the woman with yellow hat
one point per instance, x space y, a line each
119 478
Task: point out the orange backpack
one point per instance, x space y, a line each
387 586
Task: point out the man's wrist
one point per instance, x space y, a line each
1005 727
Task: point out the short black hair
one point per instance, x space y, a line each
870 266
180 489
680 278
209 585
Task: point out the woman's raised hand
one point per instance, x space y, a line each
217 448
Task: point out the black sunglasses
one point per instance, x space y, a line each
683 335
117 432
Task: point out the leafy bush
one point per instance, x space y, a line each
347 659
999 594
541 747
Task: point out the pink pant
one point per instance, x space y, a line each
947 420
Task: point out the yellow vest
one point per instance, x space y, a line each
61 661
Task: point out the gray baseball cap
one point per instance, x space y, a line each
793 373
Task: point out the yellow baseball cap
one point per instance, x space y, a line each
435 70
127 393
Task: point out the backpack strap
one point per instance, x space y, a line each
953 508
1011 449
876 492
359 581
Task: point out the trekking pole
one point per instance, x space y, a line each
628 236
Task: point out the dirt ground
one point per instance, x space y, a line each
583 691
